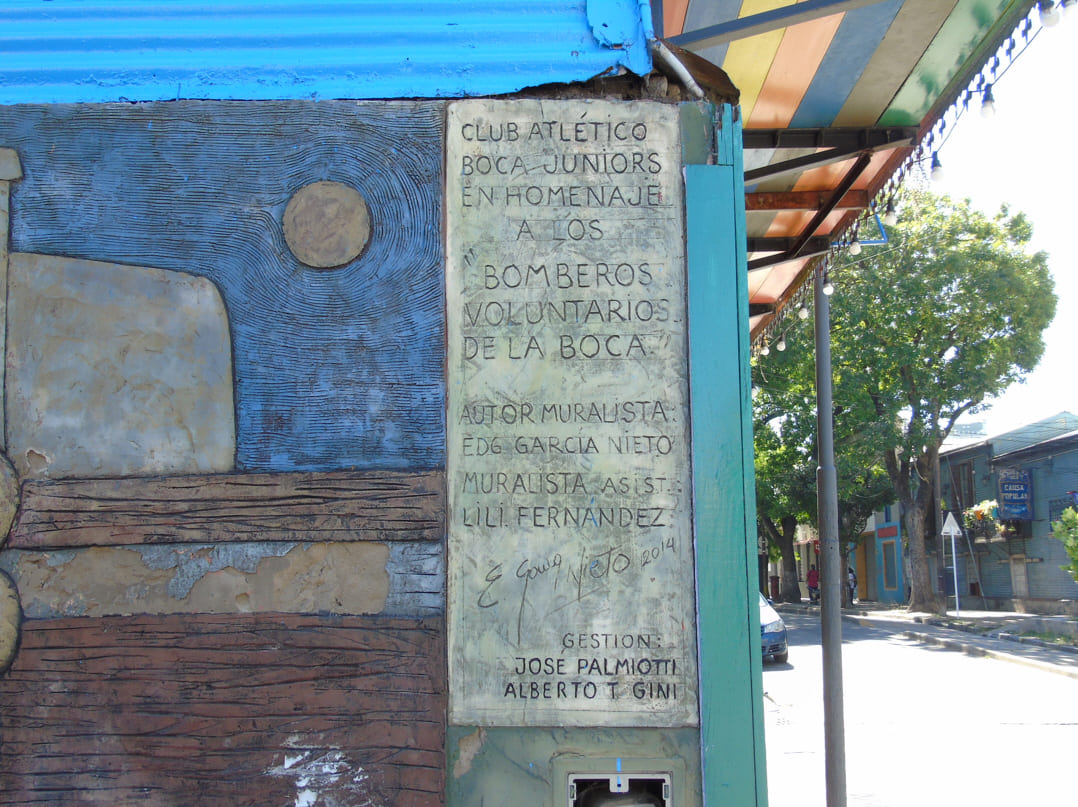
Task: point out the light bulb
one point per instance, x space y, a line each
988 104
765 351
803 312
1067 7
890 215
937 168
781 344
855 246
828 286
1049 14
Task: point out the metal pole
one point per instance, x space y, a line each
832 578
954 569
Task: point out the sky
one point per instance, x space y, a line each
1027 156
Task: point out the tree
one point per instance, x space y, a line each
785 496
784 407
929 327
1066 530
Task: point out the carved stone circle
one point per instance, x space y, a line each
326 224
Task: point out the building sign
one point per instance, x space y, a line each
1015 495
571 574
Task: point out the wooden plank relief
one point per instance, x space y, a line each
315 507
266 709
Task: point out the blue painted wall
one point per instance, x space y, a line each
67 51
1055 474
1053 464
338 368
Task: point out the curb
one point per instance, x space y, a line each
867 618
968 647
1014 637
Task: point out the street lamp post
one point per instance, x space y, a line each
832 580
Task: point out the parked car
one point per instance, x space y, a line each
772 633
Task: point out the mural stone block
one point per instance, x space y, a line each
570 546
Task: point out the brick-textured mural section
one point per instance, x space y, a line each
225 709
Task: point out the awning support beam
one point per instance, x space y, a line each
765 21
817 245
799 247
776 201
838 145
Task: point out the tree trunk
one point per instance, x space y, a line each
913 484
782 535
789 587
923 596
844 554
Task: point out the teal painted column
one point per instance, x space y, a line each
731 686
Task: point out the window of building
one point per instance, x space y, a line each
890 565
1057 506
962 483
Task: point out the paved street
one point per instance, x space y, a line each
925 725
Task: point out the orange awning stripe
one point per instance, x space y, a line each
795 64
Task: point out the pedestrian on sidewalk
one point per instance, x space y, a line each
851 580
813 580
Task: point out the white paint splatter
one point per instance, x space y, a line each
322 775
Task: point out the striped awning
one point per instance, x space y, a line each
838 99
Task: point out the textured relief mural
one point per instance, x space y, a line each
115 370
223 429
234 333
336 357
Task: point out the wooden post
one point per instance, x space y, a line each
731 690
10 169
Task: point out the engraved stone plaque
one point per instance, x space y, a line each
571 594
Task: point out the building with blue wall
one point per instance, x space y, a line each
1025 478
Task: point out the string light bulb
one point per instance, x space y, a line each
828 286
781 344
855 246
1067 7
890 215
988 103
765 350
937 168
803 312
1049 14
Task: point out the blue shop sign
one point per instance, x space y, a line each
1015 495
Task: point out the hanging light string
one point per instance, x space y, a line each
775 331
983 83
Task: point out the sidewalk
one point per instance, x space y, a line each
995 634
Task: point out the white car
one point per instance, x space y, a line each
772 633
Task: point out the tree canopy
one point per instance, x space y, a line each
930 326
1066 530
786 459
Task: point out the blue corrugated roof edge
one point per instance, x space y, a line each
68 52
